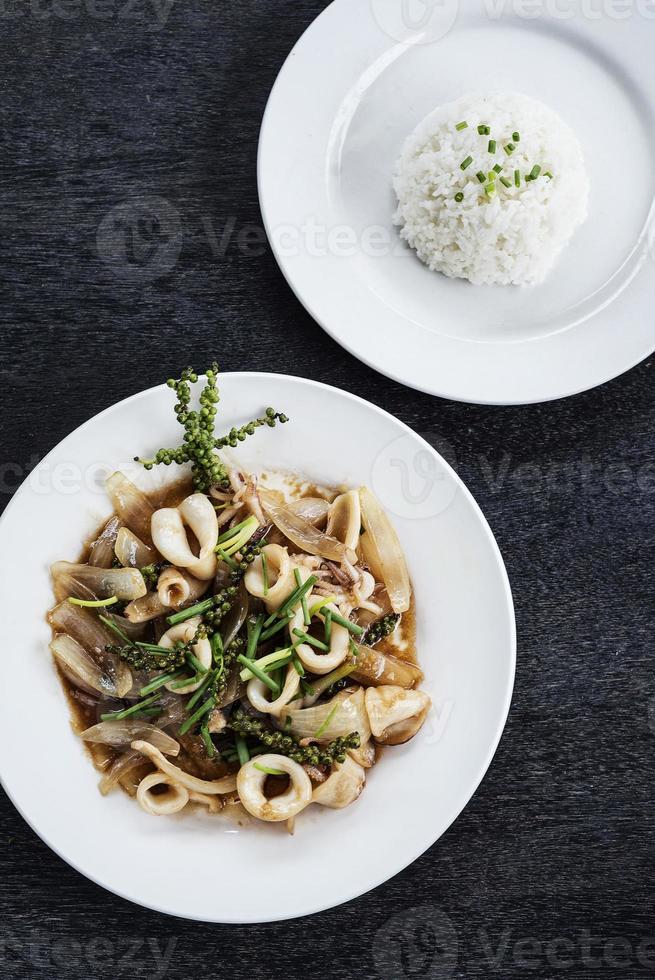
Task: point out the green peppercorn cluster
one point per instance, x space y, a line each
200 443
284 744
223 602
141 659
151 574
236 436
380 629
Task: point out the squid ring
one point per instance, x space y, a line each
314 660
168 528
173 800
250 786
184 633
281 579
257 693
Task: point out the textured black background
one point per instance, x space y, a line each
103 106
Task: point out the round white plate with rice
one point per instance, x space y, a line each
369 86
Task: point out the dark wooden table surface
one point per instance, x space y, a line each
132 245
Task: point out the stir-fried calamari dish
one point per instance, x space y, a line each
229 642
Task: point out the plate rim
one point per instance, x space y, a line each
509 610
342 340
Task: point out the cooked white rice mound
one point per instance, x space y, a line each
513 235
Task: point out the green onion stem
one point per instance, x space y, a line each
217 648
117 630
459 197
242 750
93 603
311 640
328 627
230 562
292 600
195 718
199 609
265 572
267 634
465 164
254 630
207 739
297 663
326 724
517 178
127 712
353 627
193 661
492 146
268 771
196 697
259 674
158 682
481 177
462 125
226 535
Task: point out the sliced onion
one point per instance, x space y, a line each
133 631
79 667
192 783
131 505
89 632
131 551
384 552
102 551
123 733
314 510
124 583
344 520
376 669
303 534
350 716
120 770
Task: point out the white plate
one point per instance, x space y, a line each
357 83
203 867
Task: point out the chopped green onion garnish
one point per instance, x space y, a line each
195 663
328 627
484 130
460 126
322 604
154 648
517 178
492 146
268 771
279 658
127 712
226 535
110 624
207 739
259 674
498 169
548 174
193 701
311 640
459 197
199 609
298 665
159 682
254 629
491 176
265 573
195 718
534 173
505 182
217 648
490 190
326 724
516 137
481 176
292 600
305 608
509 149
352 627
242 749
93 603
230 562
466 163
184 682
275 629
